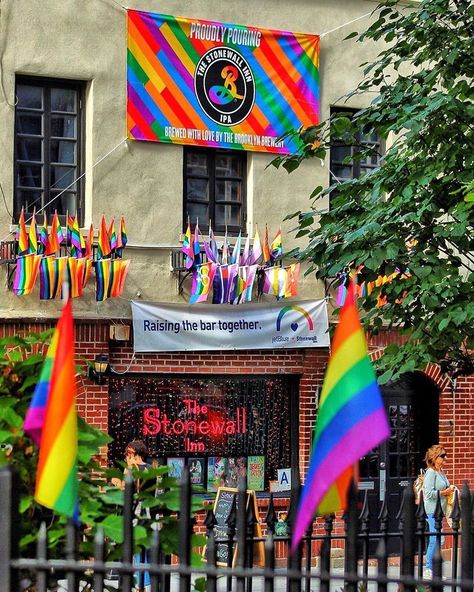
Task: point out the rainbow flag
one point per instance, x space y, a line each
32 237
276 248
51 422
121 237
102 279
22 234
187 248
43 235
265 247
56 236
75 268
351 421
26 273
112 235
103 249
51 276
203 276
293 274
75 237
118 273
123 232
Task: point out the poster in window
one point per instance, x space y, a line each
217 470
256 473
175 467
197 471
237 468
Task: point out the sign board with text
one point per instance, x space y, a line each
178 327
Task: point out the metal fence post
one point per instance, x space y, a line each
407 560
9 499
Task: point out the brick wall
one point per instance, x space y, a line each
92 338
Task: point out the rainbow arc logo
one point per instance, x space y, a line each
294 325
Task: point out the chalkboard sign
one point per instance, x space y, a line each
222 507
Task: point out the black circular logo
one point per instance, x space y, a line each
224 86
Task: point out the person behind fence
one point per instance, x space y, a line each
135 454
435 481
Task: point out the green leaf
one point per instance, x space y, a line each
351 35
113 528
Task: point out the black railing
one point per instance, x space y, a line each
305 570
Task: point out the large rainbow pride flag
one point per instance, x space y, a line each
208 83
351 421
51 422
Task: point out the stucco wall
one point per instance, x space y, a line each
86 40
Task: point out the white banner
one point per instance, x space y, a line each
179 327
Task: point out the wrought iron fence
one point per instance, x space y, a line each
309 568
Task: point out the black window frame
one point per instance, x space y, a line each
47 84
213 178
357 167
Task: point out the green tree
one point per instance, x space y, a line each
21 358
414 213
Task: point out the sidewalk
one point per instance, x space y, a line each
280 581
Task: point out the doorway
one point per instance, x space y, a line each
412 404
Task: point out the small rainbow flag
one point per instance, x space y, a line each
103 249
22 234
203 276
56 236
26 273
75 237
118 273
51 276
276 248
102 279
51 421
187 248
32 237
265 247
112 236
351 421
43 235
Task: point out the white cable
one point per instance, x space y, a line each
346 24
87 171
126 369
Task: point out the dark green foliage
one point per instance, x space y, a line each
100 503
415 211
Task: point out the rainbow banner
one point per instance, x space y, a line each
51 276
206 83
351 421
26 272
51 422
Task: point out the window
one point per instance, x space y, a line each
48 124
214 189
339 151
190 418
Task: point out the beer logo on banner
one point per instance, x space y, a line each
224 86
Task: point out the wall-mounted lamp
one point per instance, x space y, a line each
99 369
